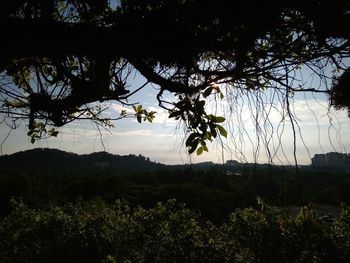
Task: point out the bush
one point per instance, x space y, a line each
96 232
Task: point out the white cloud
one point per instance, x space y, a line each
93 132
118 108
139 133
162 116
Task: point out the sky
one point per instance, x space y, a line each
318 130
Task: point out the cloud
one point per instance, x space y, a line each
118 108
92 133
145 133
313 112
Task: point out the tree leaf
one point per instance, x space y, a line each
193 146
207 92
191 138
219 119
199 106
52 132
212 127
138 117
205 148
222 131
199 150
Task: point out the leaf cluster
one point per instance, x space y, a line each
143 114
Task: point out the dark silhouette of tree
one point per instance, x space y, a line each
341 92
60 57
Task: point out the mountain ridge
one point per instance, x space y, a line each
50 158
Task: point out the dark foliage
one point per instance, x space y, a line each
58 57
96 232
212 190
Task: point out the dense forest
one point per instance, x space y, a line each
149 212
50 177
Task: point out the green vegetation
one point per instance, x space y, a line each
71 214
213 190
169 233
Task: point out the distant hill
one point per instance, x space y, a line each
49 159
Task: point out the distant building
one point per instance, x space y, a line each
332 159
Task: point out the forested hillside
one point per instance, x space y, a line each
45 177
52 159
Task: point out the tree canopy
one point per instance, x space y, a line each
60 59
